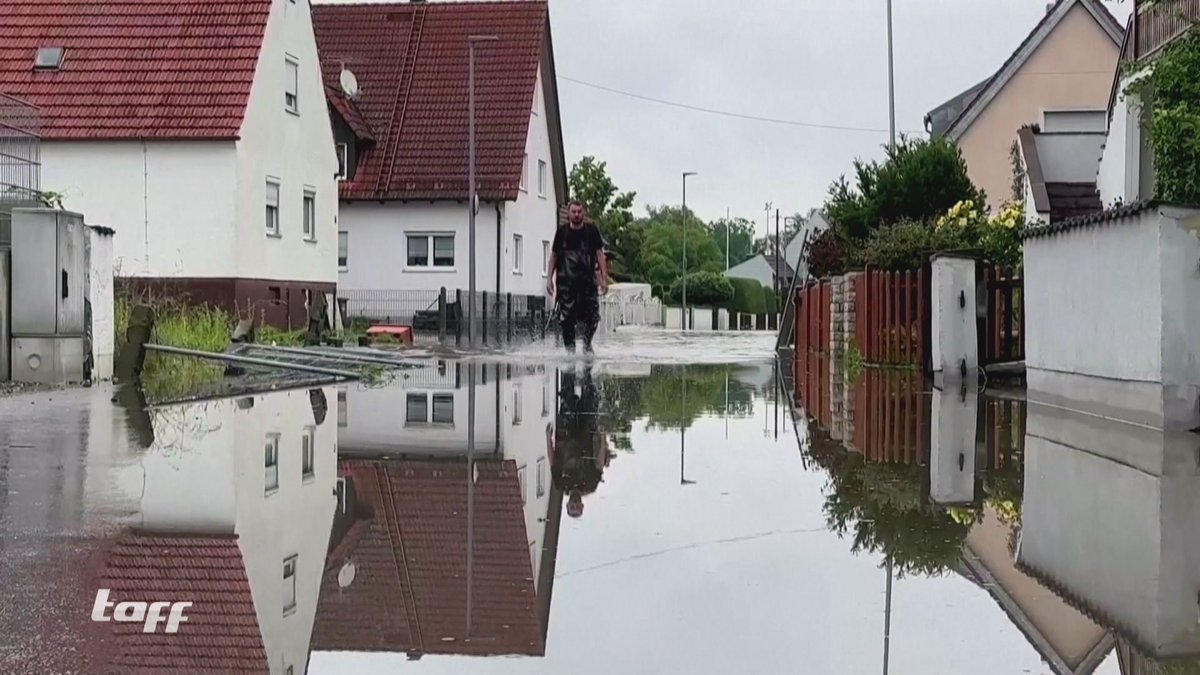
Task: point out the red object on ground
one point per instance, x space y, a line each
403 334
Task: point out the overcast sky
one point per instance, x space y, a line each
812 61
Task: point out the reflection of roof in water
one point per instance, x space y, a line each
407 544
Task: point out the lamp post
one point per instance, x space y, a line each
472 194
887 611
683 316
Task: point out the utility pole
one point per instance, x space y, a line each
472 192
726 238
891 79
683 313
778 269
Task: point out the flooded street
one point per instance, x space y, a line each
659 510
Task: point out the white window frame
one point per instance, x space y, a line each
521 479
428 420
545 257
289 584
430 238
343 411
292 105
542 178
308 454
518 253
309 209
343 245
273 214
433 397
525 173
271 464
518 412
343 153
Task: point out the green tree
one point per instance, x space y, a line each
919 180
660 260
612 211
741 238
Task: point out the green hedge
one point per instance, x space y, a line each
747 297
770 302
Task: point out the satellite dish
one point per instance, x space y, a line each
346 574
349 83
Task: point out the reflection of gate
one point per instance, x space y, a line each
891 422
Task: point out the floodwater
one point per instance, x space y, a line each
662 509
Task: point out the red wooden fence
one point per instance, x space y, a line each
813 318
892 316
891 416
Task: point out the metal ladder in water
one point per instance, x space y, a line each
788 318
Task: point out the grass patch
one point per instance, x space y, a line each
177 325
270 335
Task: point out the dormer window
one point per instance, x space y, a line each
48 58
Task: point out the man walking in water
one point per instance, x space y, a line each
578 275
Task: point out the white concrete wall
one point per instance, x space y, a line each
1118 177
100 295
1179 253
294 520
1031 213
296 149
1069 157
1055 121
171 203
1093 305
954 327
377 253
532 216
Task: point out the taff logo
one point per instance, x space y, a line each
128 612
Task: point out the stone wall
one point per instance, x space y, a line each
841 337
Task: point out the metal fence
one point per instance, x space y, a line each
20 160
443 314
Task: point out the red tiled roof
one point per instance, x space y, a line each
411 62
134 68
349 112
409 591
221 634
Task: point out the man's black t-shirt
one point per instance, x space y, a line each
576 253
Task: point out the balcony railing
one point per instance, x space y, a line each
1160 22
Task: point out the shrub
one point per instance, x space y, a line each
906 245
770 302
829 254
747 296
703 288
1174 128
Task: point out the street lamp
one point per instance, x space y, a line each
472 193
683 316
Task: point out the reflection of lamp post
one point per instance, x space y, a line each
683 430
470 485
472 195
887 615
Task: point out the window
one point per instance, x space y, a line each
420 245
307 450
273 207
343 160
443 408
291 85
518 256
417 409
516 410
341 410
524 484
541 476
289 585
271 457
48 58
310 215
545 257
545 401
343 249
525 174
541 179
533 559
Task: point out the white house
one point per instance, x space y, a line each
209 152
238 498
402 132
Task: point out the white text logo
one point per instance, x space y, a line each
128 612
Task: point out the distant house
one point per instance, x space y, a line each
762 268
197 131
397 83
1061 69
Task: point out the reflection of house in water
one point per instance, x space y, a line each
1111 521
971 448
231 498
405 498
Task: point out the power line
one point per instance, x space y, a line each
725 113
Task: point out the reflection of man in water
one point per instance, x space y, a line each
579 452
